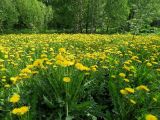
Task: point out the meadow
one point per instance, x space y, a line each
79 77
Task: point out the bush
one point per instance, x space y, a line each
33 14
8 14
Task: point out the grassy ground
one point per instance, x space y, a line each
79 77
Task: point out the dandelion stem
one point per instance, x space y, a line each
67 109
66 100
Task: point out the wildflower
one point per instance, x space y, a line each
15 98
143 87
35 72
127 62
149 64
123 92
20 111
26 70
129 90
138 61
38 63
66 79
66 63
49 63
60 57
132 68
151 117
43 56
94 68
62 50
14 79
24 75
102 56
30 66
126 80
134 57
113 76
24 109
122 75
126 68
81 67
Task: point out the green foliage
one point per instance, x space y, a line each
143 12
89 16
99 67
116 13
8 14
33 14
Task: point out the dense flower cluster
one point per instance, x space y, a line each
126 70
20 111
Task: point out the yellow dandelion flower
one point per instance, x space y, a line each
43 56
49 63
126 68
14 79
60 57
30 66
20 111
134 57
122 75
24 109
15 111
14 98
62 50
66 63
126 80
38 63
143 87
26 70
151 117
113 76
35 72
81 67
94 68
129 90
123 92
66 79
149 64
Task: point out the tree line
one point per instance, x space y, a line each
80 16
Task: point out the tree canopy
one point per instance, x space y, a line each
87 16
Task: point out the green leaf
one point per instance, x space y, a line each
82 106
48 102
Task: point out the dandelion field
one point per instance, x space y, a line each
79 77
